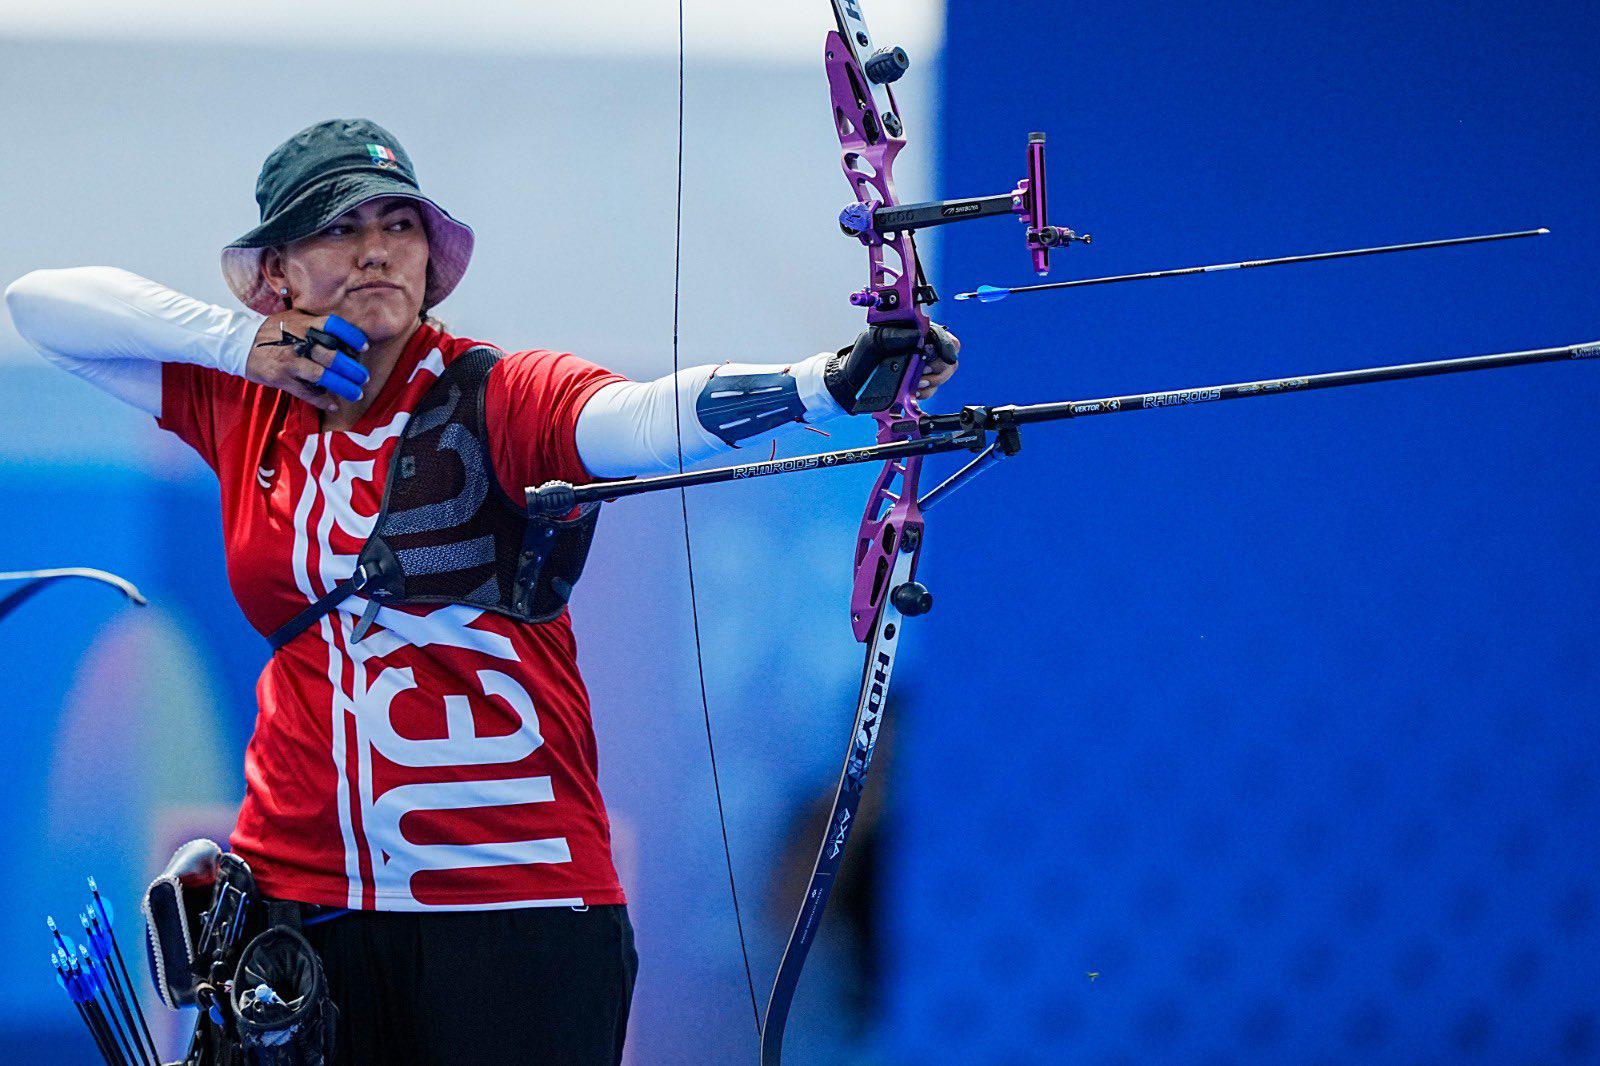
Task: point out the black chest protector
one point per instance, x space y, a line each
447 532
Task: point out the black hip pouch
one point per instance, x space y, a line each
280 998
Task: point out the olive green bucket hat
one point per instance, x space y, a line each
319 174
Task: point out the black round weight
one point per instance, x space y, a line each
912 599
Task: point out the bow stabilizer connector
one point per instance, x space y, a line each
887 65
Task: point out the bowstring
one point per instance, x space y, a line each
688 547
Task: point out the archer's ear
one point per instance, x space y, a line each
272 268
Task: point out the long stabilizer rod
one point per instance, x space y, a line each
968 429
991 293
999 417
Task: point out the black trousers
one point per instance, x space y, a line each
487 988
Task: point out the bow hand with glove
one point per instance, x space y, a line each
865 378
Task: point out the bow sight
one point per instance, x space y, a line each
874 219
872 223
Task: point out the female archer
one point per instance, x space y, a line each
423 757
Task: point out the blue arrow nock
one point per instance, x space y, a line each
70 977
90 969
64 942
98 935
107 913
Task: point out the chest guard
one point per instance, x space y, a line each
447 532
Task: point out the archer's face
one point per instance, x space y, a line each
369 267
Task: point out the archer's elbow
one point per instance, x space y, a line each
30 301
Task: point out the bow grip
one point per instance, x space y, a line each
882 386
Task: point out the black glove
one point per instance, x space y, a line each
865 378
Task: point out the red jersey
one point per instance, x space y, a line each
448 759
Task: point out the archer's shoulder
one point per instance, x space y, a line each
547 366
527 370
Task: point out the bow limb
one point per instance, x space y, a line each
876 673
36 580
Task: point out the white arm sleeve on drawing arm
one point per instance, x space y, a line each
115 329
630 428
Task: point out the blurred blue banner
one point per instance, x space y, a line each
1266 732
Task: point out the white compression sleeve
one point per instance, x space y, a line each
630 428
114 329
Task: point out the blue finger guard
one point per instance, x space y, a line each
338 384
346 332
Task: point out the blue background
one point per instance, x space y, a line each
1280 717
